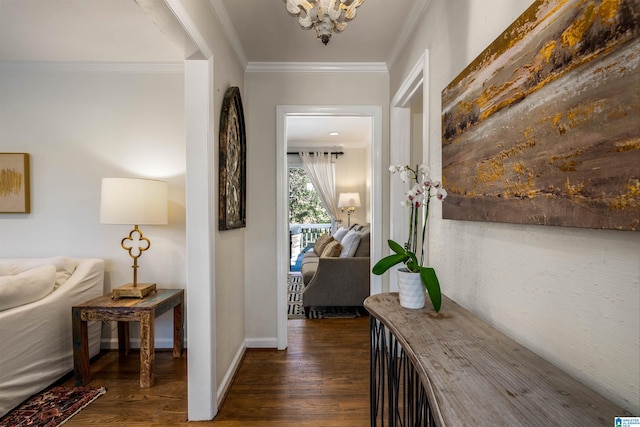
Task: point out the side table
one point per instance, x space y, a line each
124 310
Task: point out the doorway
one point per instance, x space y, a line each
374 193
409 144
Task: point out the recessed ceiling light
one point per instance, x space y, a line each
334 133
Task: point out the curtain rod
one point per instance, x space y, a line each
333 153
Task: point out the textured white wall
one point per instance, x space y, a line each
80 126
569 294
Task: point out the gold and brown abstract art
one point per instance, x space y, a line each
14 183
544 126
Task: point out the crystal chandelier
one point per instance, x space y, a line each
325 16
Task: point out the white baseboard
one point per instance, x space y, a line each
228 377
262 342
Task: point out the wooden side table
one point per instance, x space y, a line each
124 310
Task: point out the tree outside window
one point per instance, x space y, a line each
305 206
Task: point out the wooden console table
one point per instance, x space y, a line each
125 310
460 371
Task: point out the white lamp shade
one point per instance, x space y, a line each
133 201
349 200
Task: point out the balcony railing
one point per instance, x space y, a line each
303 235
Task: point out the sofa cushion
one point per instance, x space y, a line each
332 249
364 248
309 254
309 267
26 287
350 244
340 233
321 242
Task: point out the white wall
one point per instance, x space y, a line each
80 124
352 176
264 91
569 294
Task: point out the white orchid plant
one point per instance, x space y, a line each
418 199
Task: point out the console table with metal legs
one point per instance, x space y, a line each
457 370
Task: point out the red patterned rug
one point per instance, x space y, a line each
52 407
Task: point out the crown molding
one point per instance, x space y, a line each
418 10
317 67
228 29
96 67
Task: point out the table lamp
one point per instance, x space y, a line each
134 202
351 201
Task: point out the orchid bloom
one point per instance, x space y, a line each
419 196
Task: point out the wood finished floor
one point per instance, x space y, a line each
322 379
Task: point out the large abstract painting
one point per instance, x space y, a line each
544 126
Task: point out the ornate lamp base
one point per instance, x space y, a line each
140 290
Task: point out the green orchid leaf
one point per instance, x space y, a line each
387 262
414 261
430 280
396 248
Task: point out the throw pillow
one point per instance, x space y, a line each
340 233
350 243
321 243
332 249
364 248
65 266
26 287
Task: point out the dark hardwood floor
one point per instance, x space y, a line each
322 379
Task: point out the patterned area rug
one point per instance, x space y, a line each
333 312
296 309
294 296
52 407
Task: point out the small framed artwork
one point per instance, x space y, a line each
14 183
232 163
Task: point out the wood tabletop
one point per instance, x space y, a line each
475 375
150 301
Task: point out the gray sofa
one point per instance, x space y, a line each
338 280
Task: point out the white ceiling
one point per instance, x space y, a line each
305 132
81 31
117 31
267 32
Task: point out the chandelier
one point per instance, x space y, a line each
325 16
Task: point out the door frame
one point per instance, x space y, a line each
282 194
416 84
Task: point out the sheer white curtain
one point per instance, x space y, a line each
322 175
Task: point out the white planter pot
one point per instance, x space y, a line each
412 291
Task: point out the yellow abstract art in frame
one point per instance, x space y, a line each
14 183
